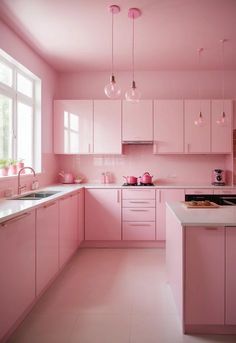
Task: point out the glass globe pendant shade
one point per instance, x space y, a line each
222 121
112 90
199 121
133 94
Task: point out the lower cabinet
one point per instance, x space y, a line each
47 263
103 214
17 268
68 227
138 214
163 195
81 216
210 281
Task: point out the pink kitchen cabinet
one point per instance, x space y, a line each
68 227
197 138
137 121
230 283
162 196
221 134
73 126
107 127
81 216
17 268
103 214
47 242
168 126
204 276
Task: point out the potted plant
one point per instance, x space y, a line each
20 165
4 166
12 167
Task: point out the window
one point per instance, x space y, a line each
20 113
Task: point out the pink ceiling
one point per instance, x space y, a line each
74 35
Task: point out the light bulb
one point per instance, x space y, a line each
112 90
199 121
133 94
222 121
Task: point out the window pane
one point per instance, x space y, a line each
5 74
24 85
5 127
25 133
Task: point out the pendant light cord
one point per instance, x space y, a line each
112 48
199 90
223 73
133 51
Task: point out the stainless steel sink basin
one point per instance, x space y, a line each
36 195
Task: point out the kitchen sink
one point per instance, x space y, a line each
35 196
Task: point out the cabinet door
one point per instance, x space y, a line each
204 275
68 227
221 134
230 307
102 214
107 127
197 138
47 264
163 195
73 126
81 216
17 268
168 126
137 121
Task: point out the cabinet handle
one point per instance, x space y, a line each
139 202
159 195
118 196
21 216
49 205
211 228
139 224
188 147
139 210
155 148
89 147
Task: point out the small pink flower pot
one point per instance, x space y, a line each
12 170
20 165
4 171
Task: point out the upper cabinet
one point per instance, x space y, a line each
73 126
197 137
221 135
107 127
168 126
137 121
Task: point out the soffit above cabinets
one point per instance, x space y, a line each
75 36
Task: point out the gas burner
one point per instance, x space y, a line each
141 184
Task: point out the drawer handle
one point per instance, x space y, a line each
49 205
118 196
139 224
211 228
139 210
139 202
21 216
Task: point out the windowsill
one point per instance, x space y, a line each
10 177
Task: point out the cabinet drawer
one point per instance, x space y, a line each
199 191
225 191
138 193
139 214
138 231
138 203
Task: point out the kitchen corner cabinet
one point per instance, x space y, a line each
162 196
107 127
197 138
73 126
17 268
68 227
137 121
221 136
168 126
103 214
47 264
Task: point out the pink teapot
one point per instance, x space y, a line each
146 178
66 177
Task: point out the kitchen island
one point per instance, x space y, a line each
201 268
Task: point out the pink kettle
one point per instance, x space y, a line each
146 178
131 180
66 177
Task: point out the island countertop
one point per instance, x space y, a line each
221 216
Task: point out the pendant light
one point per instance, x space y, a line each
112 90
133 94
222 120
199 121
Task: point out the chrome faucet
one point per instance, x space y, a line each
19 187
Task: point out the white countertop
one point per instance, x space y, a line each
221 216
10 208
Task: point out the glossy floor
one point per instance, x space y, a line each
109 296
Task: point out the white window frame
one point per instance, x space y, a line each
34 102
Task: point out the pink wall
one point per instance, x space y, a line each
20 51
192 169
